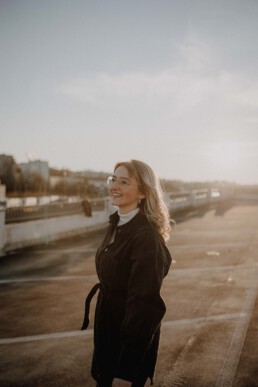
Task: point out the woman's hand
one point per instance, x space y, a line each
121 383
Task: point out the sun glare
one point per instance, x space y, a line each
226 154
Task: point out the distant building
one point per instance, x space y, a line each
54 180
39 167
98 183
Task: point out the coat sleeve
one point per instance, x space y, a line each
144 307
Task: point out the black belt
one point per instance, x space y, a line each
120 297
87 305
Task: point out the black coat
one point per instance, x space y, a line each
129 307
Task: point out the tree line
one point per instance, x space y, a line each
25 184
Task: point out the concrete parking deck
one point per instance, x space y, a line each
210 331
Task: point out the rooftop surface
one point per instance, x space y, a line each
209 333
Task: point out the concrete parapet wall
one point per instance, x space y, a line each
19 235
31 232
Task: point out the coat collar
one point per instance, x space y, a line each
138 219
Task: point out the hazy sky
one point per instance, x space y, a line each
84 84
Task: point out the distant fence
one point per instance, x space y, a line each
246 193
31 225
176 201
26 225
50 210
188 200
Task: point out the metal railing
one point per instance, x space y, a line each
50 210
177 201
192 199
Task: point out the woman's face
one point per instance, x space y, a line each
124 191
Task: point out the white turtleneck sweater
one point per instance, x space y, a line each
124 218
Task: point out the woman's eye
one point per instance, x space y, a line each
123 182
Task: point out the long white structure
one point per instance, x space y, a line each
27 232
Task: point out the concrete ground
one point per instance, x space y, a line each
210 330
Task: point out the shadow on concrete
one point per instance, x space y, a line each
183 216
220 210
224 206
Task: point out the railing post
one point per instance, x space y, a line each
209 196
192 199
2 217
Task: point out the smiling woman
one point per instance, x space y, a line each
131 263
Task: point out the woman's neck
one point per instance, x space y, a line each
124 218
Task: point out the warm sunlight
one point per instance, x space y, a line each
226 154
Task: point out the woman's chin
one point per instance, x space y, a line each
115 202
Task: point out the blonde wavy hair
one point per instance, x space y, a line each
153 205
